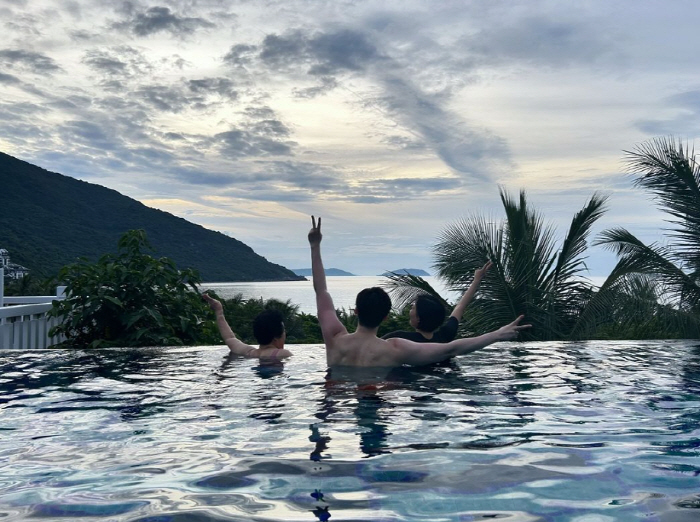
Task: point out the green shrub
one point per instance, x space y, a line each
131 299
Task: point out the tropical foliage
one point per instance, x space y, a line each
239 312
670 172
530 275
29 285
131 299
632 308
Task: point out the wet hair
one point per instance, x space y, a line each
430 312
372 306
268 325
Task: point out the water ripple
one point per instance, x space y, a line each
538 431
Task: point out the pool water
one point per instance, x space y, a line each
586 432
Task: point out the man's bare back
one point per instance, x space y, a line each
363 348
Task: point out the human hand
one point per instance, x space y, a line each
315 232
511 331
213 303
480 273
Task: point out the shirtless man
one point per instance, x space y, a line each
268 329
363 348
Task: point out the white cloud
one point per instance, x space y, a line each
391 119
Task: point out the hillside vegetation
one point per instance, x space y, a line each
47 220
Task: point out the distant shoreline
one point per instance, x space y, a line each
306 272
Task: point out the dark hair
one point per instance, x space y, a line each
372 306
268 325
430 312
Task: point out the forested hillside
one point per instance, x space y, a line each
48 220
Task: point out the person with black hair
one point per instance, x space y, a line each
268 329
363 348
427 314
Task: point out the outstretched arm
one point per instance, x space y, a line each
418 354
330 324
234 344
479 274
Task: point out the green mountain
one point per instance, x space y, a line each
47 220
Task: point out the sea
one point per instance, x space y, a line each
343 289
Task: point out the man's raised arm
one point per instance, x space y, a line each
234 344
330 324
427 353
479 274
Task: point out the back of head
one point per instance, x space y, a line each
372 306
268 325
431 313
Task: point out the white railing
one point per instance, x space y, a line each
24 324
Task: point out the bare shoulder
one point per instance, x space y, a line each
403 351
393 341
238 347
400 343
341 338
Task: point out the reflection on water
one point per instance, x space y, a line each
537 431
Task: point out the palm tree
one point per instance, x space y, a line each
671 173
530 276
634 307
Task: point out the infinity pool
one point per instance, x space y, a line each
585 432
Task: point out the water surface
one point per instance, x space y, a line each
538 431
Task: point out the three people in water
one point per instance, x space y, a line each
362 348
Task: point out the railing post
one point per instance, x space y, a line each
60 292
2 287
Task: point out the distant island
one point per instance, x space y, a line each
306 272
407 271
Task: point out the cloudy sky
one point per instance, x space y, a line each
390 119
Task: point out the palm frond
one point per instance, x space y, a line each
529 243
630 305
405 288
570 261
652 260
464 246
671 173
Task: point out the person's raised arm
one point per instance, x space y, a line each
234 344
479 275
330 324
418 354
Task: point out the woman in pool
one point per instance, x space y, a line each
427 314
268 329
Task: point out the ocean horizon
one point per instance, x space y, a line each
343 289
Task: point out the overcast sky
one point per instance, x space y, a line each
390 119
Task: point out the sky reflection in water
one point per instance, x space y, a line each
538 431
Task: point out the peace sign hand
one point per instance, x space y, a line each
315 232
511 331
